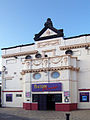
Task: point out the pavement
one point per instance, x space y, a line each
21 114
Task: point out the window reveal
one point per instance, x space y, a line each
18 95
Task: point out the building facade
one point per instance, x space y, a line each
0 86
51 74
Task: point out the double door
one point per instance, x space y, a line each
46 102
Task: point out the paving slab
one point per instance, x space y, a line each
21 114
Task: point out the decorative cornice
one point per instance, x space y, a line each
50 69
9 77
74 46
48 43
51 50
19 54
50 57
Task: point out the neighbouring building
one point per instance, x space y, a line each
51 74
0 86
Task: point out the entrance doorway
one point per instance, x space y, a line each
50 102
46 101
42 102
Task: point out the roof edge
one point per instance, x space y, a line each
77 36
17 46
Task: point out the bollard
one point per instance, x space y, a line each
67 116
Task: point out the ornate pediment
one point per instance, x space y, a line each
48 32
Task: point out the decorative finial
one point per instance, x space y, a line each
48 23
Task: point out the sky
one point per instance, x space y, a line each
20 20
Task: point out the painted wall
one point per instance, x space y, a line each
71 80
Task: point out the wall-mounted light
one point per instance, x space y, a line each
3 68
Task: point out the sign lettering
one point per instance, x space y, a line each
46 87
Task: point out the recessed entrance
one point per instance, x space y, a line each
47 101
42 102
50 102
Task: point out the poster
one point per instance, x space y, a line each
84 97
28 94
66 93
8 97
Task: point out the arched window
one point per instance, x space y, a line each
28 57
70 52
38 55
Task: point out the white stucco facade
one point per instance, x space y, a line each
25 82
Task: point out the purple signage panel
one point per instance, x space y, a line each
46 87
84 97
8 97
